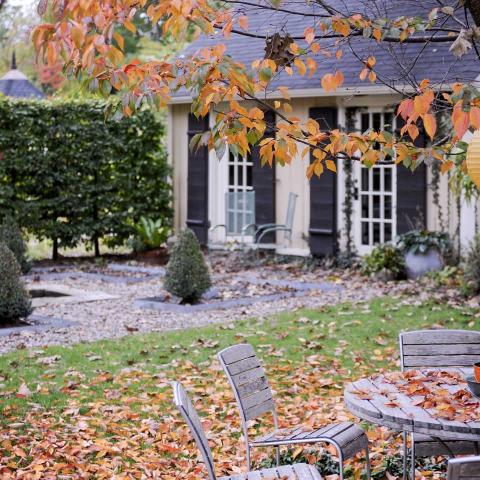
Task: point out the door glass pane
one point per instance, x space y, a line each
376 232
365 239
387 206
376 206
388 232
365 206
377 121
377 172
365 179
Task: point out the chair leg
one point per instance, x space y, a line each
412 458
405 454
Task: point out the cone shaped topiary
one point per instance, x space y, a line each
14 300
11 236
187 273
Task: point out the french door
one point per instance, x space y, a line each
376 193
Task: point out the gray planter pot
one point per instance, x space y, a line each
418 264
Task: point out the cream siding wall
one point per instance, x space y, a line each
178 156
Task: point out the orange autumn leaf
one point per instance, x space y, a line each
430 124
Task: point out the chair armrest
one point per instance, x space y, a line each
220 225
276 228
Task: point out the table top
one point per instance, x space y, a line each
434 402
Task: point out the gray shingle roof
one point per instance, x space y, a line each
15 84
396 63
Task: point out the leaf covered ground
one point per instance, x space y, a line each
104 410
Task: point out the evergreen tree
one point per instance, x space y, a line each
14 300
187 273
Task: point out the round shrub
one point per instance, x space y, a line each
384 261
12 237
471 268
187 273
14 300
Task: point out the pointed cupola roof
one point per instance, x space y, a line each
15 83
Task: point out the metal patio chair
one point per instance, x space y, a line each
432 349
254 399
299 471
260 231
464 469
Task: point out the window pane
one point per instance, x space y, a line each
240 175
387 176
231 175
387 121
387 206
365 121
376 232
365 206
377 121
376 206
376 178
249 176
365 240
388 232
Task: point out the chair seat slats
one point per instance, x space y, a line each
426 446
346 435
299 471
464 469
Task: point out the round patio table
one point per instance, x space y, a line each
384 402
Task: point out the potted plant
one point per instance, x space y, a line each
384 263
424 251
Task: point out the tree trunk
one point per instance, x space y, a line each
55 249
474 8
96 245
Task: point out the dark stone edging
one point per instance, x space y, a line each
300 289
41 323
47 273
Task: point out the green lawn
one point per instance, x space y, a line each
354 340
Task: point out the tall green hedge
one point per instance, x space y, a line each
68 174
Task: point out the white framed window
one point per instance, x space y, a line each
240 199
376 189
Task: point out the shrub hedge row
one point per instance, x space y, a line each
68 174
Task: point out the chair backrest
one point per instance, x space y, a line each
248 381
439 348
193 421
464 469
292 202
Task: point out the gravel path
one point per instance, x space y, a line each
119 317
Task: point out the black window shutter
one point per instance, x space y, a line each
197 182
411 191
263 180
323 196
